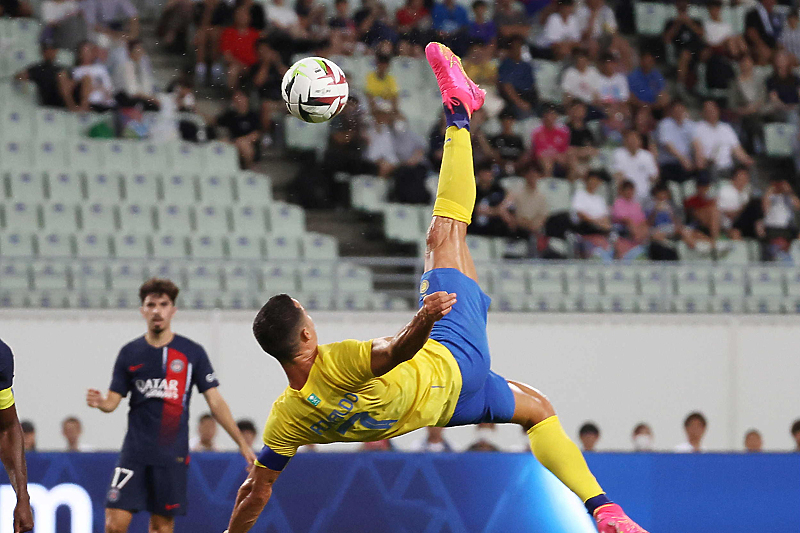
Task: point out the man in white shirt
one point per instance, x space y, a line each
695 427
206 433
674 136
581 81
733 197
71 429
282 16
598 26
716 145
561 33
634 163
613 86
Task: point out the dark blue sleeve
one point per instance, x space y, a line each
119 379
6 366
203 373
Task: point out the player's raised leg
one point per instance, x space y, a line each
556 452
455 197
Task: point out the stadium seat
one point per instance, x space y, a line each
89 276
248 220
317 246
509 280
793 283
385 302
282 248
702 253
620 281
733 252
652 304
15 276
221 158
277 279
780 139
26 186
545 280
103 188
207 247
764 305
766 282
238 300
480 248
401 223
21 216
84 156
368 193
65 187
253 189
618 303
173 219
245 247
217 190
211 220
186 157
49 156
16 156
693 281
286 219
14 244
98 217
127 276
349 278
136 219
317 301
691 304
179 189
357 301
171 246
17 124
728 282
60 217
304 136
48 275
727 305
51 124
200 277
558 194
582 280
238 278
655 281
201 299
542 303
152 157
124 300
93 245
316 278
141 188
131 245
56 245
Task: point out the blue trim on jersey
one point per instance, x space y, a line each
272 460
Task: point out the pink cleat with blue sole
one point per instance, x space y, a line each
611 518
454 83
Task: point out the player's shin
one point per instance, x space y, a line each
554 449
455 197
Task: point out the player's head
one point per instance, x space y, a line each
695 425
158 303
248 431
589 435
282 328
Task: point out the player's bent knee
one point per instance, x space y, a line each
531 405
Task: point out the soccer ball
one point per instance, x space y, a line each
314 89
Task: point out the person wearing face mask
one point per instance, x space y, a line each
642 438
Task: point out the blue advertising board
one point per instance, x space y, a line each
438 493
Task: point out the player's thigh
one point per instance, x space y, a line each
168 490
118 520
128 489
446 247
530 405
161 524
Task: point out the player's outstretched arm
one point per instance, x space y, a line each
107 404
252 497
222 414
388 352
12 453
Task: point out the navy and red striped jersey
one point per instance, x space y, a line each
160 381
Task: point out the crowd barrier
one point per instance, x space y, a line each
438 493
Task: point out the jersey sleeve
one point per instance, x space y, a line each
203 373
6 376
279 444
351 362
119 379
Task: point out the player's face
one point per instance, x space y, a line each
157 310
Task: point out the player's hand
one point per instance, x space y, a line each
94 398
250 457
23 517
438 304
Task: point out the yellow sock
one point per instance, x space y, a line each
455 197
554 449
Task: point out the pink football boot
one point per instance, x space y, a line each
453 81
611 518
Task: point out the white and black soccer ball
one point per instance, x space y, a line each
314 89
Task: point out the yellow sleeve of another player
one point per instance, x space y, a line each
349 362
6 398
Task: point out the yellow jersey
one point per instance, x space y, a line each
342 401
385 88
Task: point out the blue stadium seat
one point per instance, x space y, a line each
14 244
179 189
97 217
207 247
103 188
56 245
60 217
136 218
248 220
141 188
211 220
217 190
65 187
93 245
26 186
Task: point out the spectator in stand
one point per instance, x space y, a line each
530 206
550 144
380 85
93 77
283 18
482 69
54 85
341 20
790 36
135 83
665 226
614 96
741 212
508 147
631 224
581 81
238 46
716 146
347 145
28 436
71 430
695 427
248 431
634 163
384 445
591 218
206 433
374 23
582 144
642 438
762 28
482 29
117 21
510 19
485 438
64 23
645 125
265 78
780 204
589 434
449 20
411 172
432 442
783 88
685 34
174 24
516 82
702 213
381 145
243 128
212 17
796 434
646 84
492 213
753 443
719 35
749 101
561 33
674 135
436 143
411 16
598 26
15 8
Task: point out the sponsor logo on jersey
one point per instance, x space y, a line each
134 368
158 388
314 399
176 365
211 378
113 495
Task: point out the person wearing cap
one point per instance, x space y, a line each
53 83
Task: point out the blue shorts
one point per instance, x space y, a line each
485 396
158 489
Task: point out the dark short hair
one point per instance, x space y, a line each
589 428
627 184
752 432
660 187
246 425
640 427
607 56
599 174
697 415
158 286
204 417
739 168
383 58
277 325
484 166
796 427
479 3
133 44
531 166
71 419
714 3
28 427
580 52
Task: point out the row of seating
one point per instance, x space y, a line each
310 246
97 156
652 17
142 188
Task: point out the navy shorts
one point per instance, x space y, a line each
158 489
485 396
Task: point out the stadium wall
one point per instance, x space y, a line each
742 372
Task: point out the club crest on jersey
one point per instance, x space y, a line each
423 287
166 389
176 366
113 495
314 399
